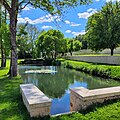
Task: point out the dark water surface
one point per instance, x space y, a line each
56 85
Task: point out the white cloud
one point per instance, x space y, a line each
71 23
67 22
46 18
77 33
68 31
46 27
87 14
97 0
74 24
91 10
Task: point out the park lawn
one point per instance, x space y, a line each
12 107
106 71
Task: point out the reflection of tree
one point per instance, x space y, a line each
55 85
96 82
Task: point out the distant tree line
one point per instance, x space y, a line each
45 44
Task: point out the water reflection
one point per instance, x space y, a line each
56 85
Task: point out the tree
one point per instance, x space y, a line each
32 32
4 36
70 46
39 44
26 36
81 39
50 43
64 46
103 28
73 45
22 41
77 45
14 6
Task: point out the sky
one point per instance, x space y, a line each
71 24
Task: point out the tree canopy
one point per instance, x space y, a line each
50 43
103 28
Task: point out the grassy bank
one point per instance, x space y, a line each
12 107
105 71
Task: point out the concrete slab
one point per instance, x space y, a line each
103 92
35 100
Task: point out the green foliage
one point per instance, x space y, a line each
98 70
50 43
26 36
77 45
4 37
81 38
22 41
70 45
103 28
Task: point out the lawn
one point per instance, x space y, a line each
12 107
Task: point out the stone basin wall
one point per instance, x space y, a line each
81 98
35 101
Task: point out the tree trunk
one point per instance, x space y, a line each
3 55
5 34
1 42
3 60
71 53
13 63
55 50
112 51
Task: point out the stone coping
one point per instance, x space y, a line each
33 94
96 93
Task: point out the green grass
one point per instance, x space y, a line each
12 107
106 71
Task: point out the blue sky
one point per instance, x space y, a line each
72 24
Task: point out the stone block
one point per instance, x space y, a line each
36 102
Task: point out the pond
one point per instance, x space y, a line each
56 84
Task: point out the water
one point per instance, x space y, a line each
56 85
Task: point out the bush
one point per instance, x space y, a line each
105 71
